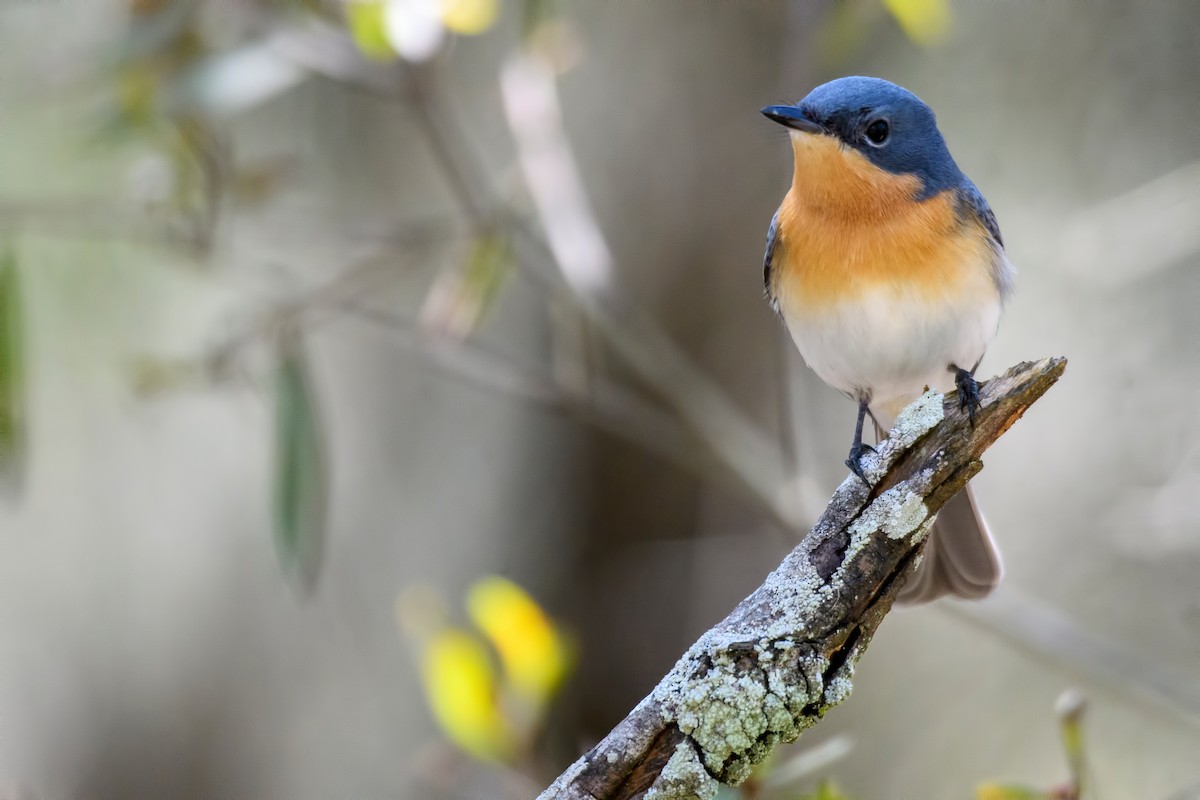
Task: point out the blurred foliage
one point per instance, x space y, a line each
462 690
414 29
156 73
300 483
1070 709
826 790
533 653
788 771
12 372
926 22
489 687
156 96
460 296
488 691
366 24
848 24
469 17
151 376
997 791
756 789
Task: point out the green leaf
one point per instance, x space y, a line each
487 268
460 297
12 375
826 790
300 479
365 21
1071 708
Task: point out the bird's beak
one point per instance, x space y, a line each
792 117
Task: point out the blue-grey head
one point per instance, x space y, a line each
889 125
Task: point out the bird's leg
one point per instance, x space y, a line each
968 390
858 448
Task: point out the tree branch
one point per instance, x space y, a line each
787 652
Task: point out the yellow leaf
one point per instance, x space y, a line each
926 22
137 90
365 19
997 791
460 685
534 656
469 16
459 297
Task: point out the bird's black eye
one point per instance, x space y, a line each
877 132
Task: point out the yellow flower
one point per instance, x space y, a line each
491 713
460 685
534 656
469 17
414 29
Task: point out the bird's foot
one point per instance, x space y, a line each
854 462
968 393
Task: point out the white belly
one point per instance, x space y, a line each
889 345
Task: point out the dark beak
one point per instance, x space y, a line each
792 117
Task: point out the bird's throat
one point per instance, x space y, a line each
847 229
835 180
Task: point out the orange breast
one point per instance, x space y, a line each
847 227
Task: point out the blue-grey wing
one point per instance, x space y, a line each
772 238
975 204
971 202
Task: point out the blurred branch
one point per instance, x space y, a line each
449 151
328 50
575 246
1053 635
319 298
607 406
786 654
91 220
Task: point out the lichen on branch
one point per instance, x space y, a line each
786 654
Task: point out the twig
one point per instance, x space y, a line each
87 219
441 135
602 404
1052 634
786 654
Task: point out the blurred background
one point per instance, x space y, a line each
387 396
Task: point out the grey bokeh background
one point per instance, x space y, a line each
149 645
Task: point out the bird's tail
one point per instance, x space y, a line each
960 557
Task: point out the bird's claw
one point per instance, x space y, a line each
857 451
968 393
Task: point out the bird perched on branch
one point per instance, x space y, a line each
887 266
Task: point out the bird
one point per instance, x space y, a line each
888 269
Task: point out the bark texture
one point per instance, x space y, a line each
786 654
